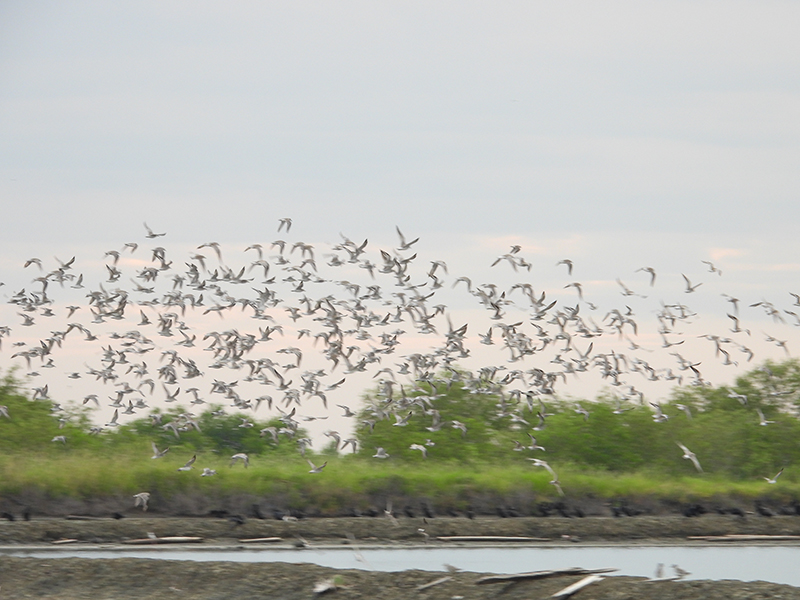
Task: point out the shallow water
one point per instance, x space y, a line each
777 564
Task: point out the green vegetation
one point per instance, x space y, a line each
722 430
612 453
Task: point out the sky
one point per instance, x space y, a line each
617 134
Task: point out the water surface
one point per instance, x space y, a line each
777 564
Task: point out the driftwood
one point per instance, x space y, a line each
258 540
85 518
569 590
425 586
64 541
742 537
542 575
489 538
165 540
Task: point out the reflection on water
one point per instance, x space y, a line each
745 563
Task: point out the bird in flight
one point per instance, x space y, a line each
652 272
150 235
188 465
689 287
774 480
314 468
689 455
421 448
761 419
404 245
242 457
158 453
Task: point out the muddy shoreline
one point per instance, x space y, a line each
122 579
109 530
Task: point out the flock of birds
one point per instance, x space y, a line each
271 333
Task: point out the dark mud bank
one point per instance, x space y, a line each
77 578
402 529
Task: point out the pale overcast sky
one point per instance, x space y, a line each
618 134
525 118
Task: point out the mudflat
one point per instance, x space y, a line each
123 578
131 578
109 530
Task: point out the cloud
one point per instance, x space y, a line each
722 253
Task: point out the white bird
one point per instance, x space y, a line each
689 455
659 417
421 448
156 452
272 431
380 453
350 442
534 445
568 263
402 421
685 409
150 234
314 468
578 287
711 267
242 457
689 287
404 245
347 411
680 573
141 499
188 465
543 463
356 550
113 421
774 479
33 261
208 472
740 397
582 411
387 512
557 484
761 419
652 272
459 425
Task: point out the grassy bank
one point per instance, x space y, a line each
348 482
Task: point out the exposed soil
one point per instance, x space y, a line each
77 578
110 530
139 578
193 503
